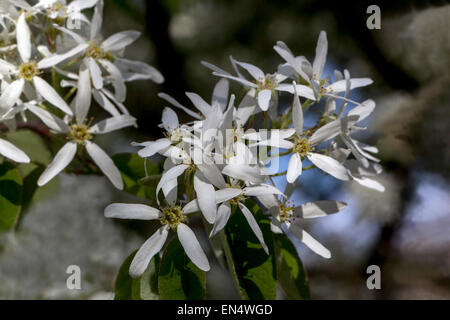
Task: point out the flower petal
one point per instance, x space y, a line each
120 90
105 163
329 165
192 247
62 159
321 55
220 93
11 94
318 209
23 37
254 226
309 241
244 173
260 190
169 119
10 151
294 168
96 74
254 71
83 97
50 120
146 252
175 103
169 175
49 94
120 40
112 124
264 97
152 147
223 214
297 113
131 211
206 197
54 59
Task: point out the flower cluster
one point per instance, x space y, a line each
53 61
231 150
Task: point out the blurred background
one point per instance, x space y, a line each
405 230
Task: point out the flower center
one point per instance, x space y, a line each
302 147
28 70
172 216
285 210
97 53
80 133
268 83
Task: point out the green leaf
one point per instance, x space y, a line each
254 268
132 168
149 280
10 195
179 278
32 143
126 287
290 271
143 288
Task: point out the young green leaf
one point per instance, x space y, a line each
255 269
290 271
179 278
132 168
11 188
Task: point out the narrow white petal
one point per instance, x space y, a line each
294 168
105 103
297 113
254 71
169 119
244 173
131 211
206 198
49 94
146 252
120 90
199 103
212 174
341 86
264 97
310 242
112 124
23 37
370 183
222 195
302 90
260 190
241 80
153 147
321 55
11 94
10 151
120 40
175 103
326 132
329 165
363 110
192 247
171 174
50 120
97 21
220 93
61 160
83 97
254 226
318 209
223 214
105 163
54 59
96 74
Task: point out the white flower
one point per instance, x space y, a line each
171 217
285 215
59 9
10 151
29 70
236 194
80 133
300 68
107 53
265 85
302 147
